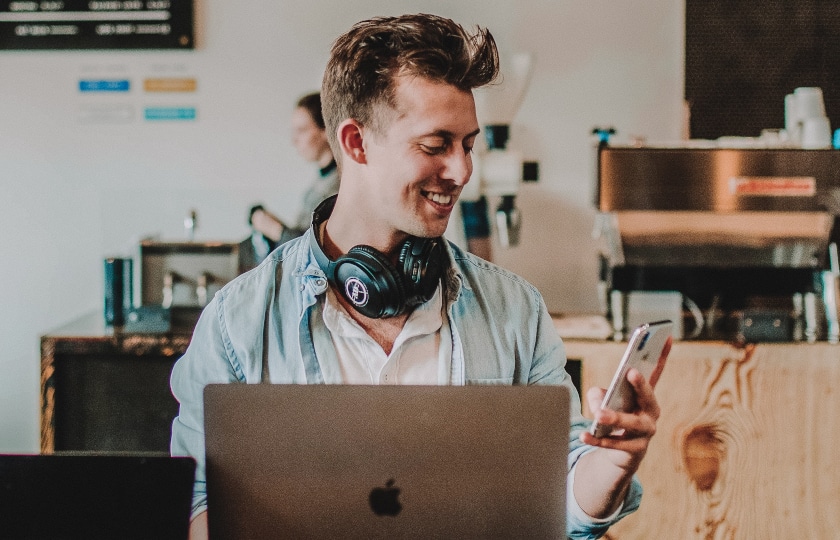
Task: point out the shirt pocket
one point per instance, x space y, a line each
506 381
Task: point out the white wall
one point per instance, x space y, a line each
73 193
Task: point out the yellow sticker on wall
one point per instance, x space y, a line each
170 85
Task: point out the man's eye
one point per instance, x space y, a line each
433 150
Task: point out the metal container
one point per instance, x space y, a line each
720 206
185 274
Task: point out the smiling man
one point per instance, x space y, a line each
372 293
403 179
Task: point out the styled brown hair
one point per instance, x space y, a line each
365 61
311 103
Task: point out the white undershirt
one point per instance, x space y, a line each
422 352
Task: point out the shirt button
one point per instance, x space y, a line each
320 282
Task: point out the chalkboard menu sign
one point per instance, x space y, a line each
96 24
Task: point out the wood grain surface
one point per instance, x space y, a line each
747 446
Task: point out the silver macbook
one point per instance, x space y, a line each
335 461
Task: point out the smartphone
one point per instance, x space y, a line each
643 353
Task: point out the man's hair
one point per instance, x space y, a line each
364 62
311 103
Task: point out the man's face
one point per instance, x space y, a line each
418 164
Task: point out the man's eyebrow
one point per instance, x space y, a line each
446 134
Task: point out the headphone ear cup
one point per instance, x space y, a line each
421 260
368 280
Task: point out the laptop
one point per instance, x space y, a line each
83 496
340 461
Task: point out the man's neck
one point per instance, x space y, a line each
383 331
338 236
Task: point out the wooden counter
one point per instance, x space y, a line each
747 443
107 390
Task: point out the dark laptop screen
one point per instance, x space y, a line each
95 496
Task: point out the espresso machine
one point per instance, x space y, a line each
734 243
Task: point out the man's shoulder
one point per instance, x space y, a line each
478 271
279 262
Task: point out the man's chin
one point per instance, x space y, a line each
429 231
435 233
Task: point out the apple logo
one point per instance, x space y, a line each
384 501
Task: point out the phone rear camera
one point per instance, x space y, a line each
643 341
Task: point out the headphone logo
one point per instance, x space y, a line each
356 291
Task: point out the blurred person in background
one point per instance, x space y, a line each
309 138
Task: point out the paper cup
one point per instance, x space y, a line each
816 133
809 102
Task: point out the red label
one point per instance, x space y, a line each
773 186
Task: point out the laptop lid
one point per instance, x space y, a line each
75 496
326 461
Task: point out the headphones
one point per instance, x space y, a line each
374 286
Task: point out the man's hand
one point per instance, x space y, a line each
268 224
603 476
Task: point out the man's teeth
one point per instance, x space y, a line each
439 198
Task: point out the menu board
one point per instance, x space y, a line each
96 24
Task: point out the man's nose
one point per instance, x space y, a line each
459 167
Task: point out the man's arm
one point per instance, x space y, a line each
603 476
205 361
198 527
267 224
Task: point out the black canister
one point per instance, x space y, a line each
119 294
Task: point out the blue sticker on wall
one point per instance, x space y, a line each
104 85
170 113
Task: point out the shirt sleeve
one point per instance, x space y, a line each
579 524
206 360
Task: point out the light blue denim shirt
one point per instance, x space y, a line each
269 319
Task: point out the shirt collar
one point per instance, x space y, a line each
424 319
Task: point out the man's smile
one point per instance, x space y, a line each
438 198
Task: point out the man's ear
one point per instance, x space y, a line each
351 141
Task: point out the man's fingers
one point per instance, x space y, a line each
660 365
645 399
